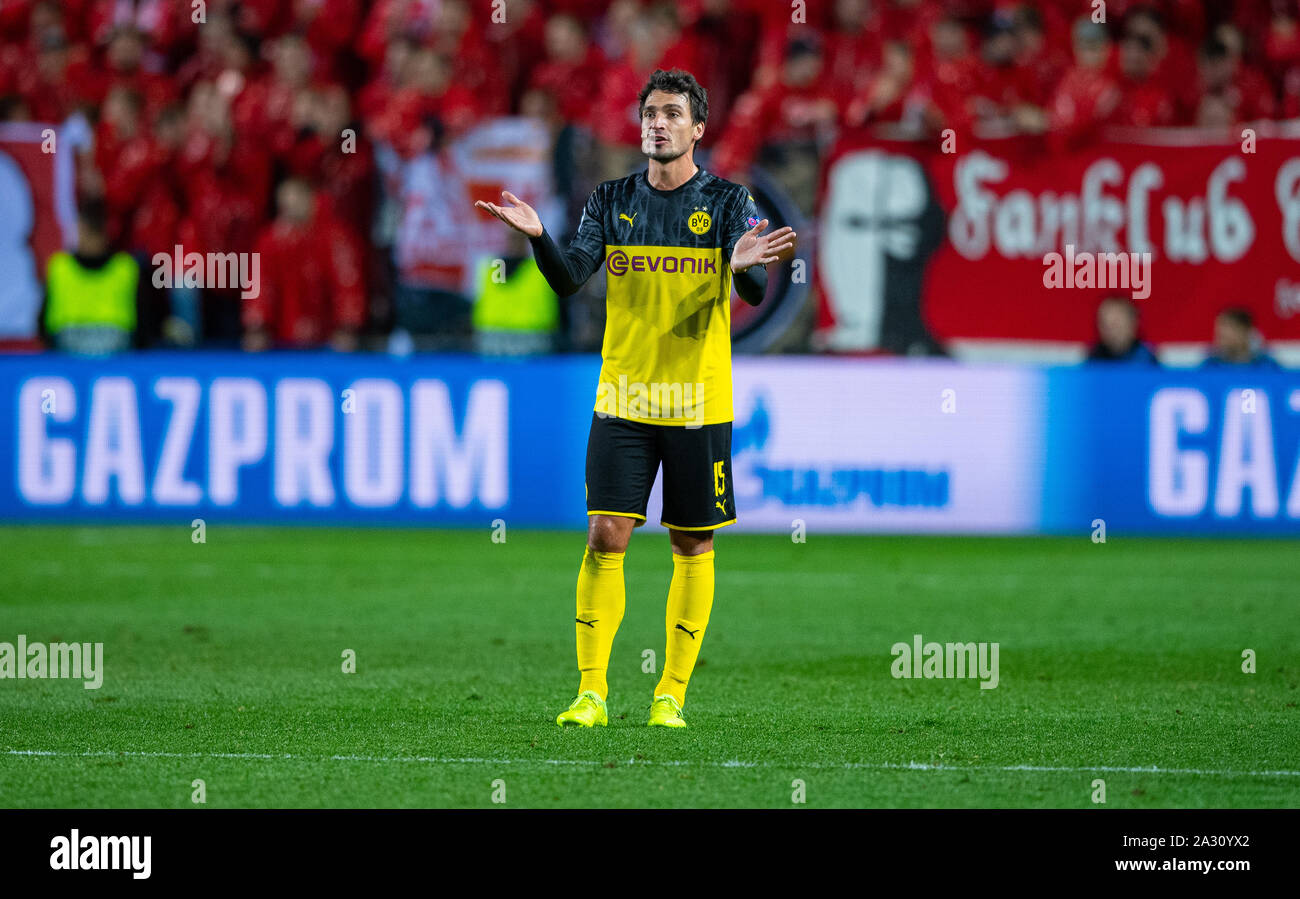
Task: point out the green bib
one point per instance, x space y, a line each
81 296
525 302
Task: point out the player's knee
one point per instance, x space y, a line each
607 534
691 543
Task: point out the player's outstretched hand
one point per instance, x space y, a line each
519 216
756 248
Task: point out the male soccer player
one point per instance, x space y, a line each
674 237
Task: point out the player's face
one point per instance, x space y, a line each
667 130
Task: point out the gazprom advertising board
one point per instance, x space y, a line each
1151 451
881 446
866 446
310 438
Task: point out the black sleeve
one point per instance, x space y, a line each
751 284
568 270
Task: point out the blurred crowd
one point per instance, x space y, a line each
1236 342
263 128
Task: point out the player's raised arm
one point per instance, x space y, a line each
565 271
752 252
756 248
520 215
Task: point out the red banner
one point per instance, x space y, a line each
1013 240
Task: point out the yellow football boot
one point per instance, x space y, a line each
665 712
587 710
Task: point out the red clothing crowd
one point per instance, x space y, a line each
196 122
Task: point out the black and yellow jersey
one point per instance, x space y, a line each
667 254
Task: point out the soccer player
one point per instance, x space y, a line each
674 238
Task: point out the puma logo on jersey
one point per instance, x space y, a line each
721 508
591 624
630 222
692 633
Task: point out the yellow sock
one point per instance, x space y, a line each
600 609
690 599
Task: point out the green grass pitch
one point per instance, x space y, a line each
223 662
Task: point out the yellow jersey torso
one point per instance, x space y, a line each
667 346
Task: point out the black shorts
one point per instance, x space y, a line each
623 458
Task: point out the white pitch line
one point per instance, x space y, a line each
591 763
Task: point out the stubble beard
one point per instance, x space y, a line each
664 155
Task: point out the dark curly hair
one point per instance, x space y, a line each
677 82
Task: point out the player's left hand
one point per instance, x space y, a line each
756 248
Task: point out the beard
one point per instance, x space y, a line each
664 154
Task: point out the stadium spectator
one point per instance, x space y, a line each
431 253
1215 111
1282 56
53 76
224 178
615 119
512 43
328 28
473 66
1145 98
388 79
679 49
137 163
124 152
207 57
311 292
852 49
328 150
154 222
1007 93
163 27
613 32
785 127
728 32
1087 94
953 77
124 58
268 108
428 93
885 97
391 20
638 40
1040 61
1236 342
261 19
91 293
1226 83
568 71
1174 32
1254 85
1117 334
